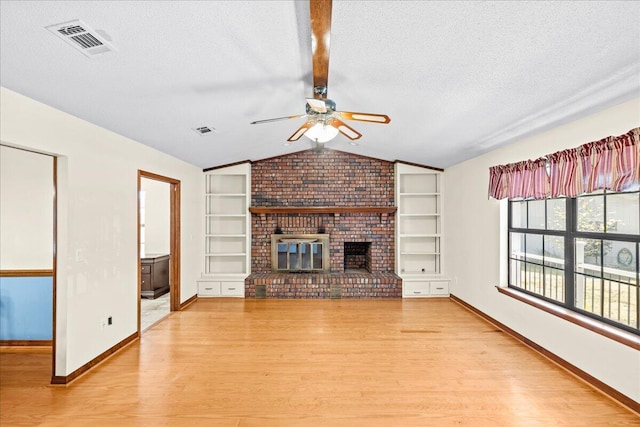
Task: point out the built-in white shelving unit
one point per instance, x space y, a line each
419 231
227 259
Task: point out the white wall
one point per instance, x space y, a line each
97 223
473 251
26 210
156 216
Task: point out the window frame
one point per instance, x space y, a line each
570 235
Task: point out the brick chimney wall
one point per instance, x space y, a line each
325 178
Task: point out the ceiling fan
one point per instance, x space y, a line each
324 122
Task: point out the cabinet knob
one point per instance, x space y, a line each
208 289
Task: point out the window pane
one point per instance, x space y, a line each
517 271
620 286
534 280
519 214
536 214
517 266
556 214
554 267
533 248
517 246
591 213
620 256
554 283
588 293
588 254
623 214
554 251
588 277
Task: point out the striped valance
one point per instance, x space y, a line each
612 163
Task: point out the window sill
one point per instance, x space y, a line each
601 328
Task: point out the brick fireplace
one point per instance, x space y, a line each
348 197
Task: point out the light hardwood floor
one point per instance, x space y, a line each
267 363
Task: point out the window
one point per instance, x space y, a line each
580 253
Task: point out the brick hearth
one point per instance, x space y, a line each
314 285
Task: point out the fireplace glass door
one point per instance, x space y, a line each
297 253
299 256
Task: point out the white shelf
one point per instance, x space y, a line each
427 275
419 231
416 275
230 254
231 180
227 231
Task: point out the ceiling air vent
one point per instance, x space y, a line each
82 37
203 130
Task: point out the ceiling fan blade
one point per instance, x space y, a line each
277 119
344 129
320 42
364 117
301 131
317 105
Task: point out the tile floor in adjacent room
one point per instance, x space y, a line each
152 310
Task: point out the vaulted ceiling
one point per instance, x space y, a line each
457 78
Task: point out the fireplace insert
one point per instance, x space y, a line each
297 253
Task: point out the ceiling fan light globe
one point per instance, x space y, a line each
321 132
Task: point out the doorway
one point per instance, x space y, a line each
158 249
28 246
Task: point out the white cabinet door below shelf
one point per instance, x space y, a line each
425 288
415 289
208 289
439 288
232 289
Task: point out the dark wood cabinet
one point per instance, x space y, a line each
155 275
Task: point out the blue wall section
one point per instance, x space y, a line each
26 308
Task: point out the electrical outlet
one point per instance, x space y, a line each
109 320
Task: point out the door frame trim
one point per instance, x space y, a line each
174 240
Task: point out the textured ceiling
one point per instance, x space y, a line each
457 78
